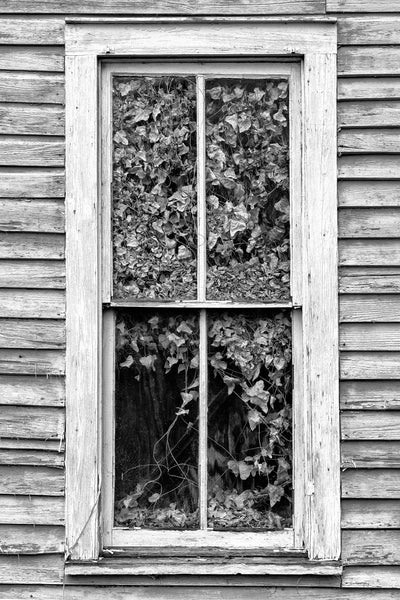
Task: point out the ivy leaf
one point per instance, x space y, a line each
127 363
148 361
275 493
153 498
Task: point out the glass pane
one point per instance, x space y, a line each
154 187
156 412
250 421
247 177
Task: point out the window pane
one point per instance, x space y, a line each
154 187
156 406
250 421
247 189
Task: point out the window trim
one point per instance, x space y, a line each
315 43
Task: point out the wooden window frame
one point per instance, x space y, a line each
316 421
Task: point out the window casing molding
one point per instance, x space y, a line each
316 462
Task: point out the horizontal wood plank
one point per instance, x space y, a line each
370 514
369 336
369 308
28 182
369 454
32 58
39 304
369 166
31 119
32 422
366 280
32 30
370 425
31 481
364 61
32 391
370 395
362 6
372 577
371 547
31 245
367 252
369 222
41 569
370 365
22 87
33 215
32 333
31 458
369 113
374 29
35 510
368 88
29 445
32 539
369 141
369 193
30 151
42 274
371 483
32 362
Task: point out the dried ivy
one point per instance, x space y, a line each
154 187
247 189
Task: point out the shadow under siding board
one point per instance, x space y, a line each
373 577
370 365
368 222
371 29
370 193
32 245
369 166
31 119
369 252
33 422
367 61
32 539
32 362
38 304
37 510
370 547
25 87
32 458
31 481
370 395
369 141
19 182
369 113
41 569
371 425
31 151
32 58
371 483
368 88
361 454
42 274
32 30
369 336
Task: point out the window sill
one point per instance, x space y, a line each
196 565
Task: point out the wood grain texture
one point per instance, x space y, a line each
370 425
32 58
370 395
370 514
373 29
41 570
371 483
32 362
32 333
32 391
371 547
20 182
32 422
362 6
31 119
369 88
369 166
31 539
367 252
20 445
22 87
29 151
42 274
35 510
366 280
369 454
31 245
369 113
372 577
369 141
31 481
369 308
362 61
370 365
369 223
32 30
39 304
370 336
41 216
369 193
31 458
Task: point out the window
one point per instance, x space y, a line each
201 290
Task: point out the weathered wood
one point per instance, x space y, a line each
32 30
42 274
368 336
365 280
369 308
372 577
28 182
39 304
30 151
31 245
374 29
369 166
31 481
32 391
35 510
371 547
369 193
369 223
360 6
32 362
379 253
32 333
32 445
370 514
24 87
368 141
370 425
42 216
32 422
368 454
370 395
31 58
369 88
41 569
369 113
31 539
370 365
32 119
361 61
32 458
371 483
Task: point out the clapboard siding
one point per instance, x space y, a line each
370 365
31 58
42 274
31 245
31 481
366 280
369 454
367 252
371 547
362 62
36 510
370 514
31 333
24 151
361 6
369 113
31 119
32 422
32 458
39 304
370 395
371 483
369 141
41 569
368 223
32 391
31 539
369 167
22 87
33 30
45 216
371 425
368 88
19 182
374 29
32 362
369 193
369 308
366 336
372 577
